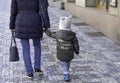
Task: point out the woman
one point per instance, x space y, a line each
27 19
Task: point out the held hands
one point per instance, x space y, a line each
12 30
44 29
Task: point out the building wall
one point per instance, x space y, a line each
80 3
102 21
113 11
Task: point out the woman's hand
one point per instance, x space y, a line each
44 29
12 30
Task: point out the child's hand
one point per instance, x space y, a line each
44 29
48 29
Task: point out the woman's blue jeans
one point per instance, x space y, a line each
26 54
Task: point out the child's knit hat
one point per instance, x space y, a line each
65 23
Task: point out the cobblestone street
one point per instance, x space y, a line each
98 61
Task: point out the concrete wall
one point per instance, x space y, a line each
101 20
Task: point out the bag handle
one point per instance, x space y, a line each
13 38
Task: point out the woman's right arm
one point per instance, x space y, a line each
13 14
43 10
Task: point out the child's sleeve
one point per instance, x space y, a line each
76 45
50 34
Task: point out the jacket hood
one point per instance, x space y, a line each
65 35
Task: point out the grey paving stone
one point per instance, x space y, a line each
98 61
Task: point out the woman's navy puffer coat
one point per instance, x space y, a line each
28 17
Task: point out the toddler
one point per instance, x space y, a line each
67 44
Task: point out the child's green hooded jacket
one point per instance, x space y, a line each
67 44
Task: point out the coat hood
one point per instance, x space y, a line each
65 35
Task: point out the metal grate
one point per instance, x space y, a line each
80 24
94 34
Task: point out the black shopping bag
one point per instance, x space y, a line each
14 56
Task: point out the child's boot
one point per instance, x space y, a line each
67 77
